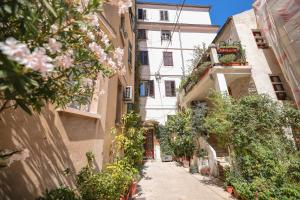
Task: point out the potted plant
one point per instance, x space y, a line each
229 189
229 60
228 47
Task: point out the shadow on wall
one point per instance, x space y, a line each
45 138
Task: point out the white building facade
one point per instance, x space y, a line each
167 36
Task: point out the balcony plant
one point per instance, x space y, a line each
229 47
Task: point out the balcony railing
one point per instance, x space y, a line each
228 54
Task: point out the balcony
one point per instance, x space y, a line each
219 68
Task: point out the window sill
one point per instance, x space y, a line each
79 113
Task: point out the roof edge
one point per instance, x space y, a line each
174 4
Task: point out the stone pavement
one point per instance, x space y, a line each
167 181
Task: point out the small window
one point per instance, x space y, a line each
147 88
259 39
141 14
170 88
129 53
278 87
166 35
168 58
164 15
132 19
122 23
142 34
144 58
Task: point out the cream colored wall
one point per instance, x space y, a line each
56 142
108 102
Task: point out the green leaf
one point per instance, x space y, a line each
3 74
50 8
7 8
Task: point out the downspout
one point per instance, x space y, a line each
181 51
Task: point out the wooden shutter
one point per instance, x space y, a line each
168 58
140 13
161 15
170 88
166 16
144 14
173 92
151 88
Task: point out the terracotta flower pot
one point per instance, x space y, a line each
229 189
227 50
232 64
133 188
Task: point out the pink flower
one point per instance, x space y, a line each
90 35
111 64
38 60
118 55
14 49
122 4
64 61
54 28
99 51
104 39
53 46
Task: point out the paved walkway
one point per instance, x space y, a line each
167 181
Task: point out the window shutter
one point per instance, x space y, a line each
168 58
166 16
161 15
167 88
151 88
144 14
170 88
173 92
146 60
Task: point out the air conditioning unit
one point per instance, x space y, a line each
128 94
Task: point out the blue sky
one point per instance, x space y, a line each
221 9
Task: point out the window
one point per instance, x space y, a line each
142 34
132 19
168 58
144 58
141 14
164 15
147 88
129 53
165 35
119 103
260 40
278 87
122 23
170 88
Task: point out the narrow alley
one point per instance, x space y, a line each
167 181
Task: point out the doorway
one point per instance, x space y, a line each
148 145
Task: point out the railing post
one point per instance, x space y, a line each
213 54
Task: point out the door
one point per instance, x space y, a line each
148 145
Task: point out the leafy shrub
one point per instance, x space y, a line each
109 184
61 193
265 163
227 58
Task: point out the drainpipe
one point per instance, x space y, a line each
181 51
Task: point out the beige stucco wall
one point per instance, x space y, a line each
56 142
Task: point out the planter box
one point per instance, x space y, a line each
204 73
189 86
227 50
233 64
